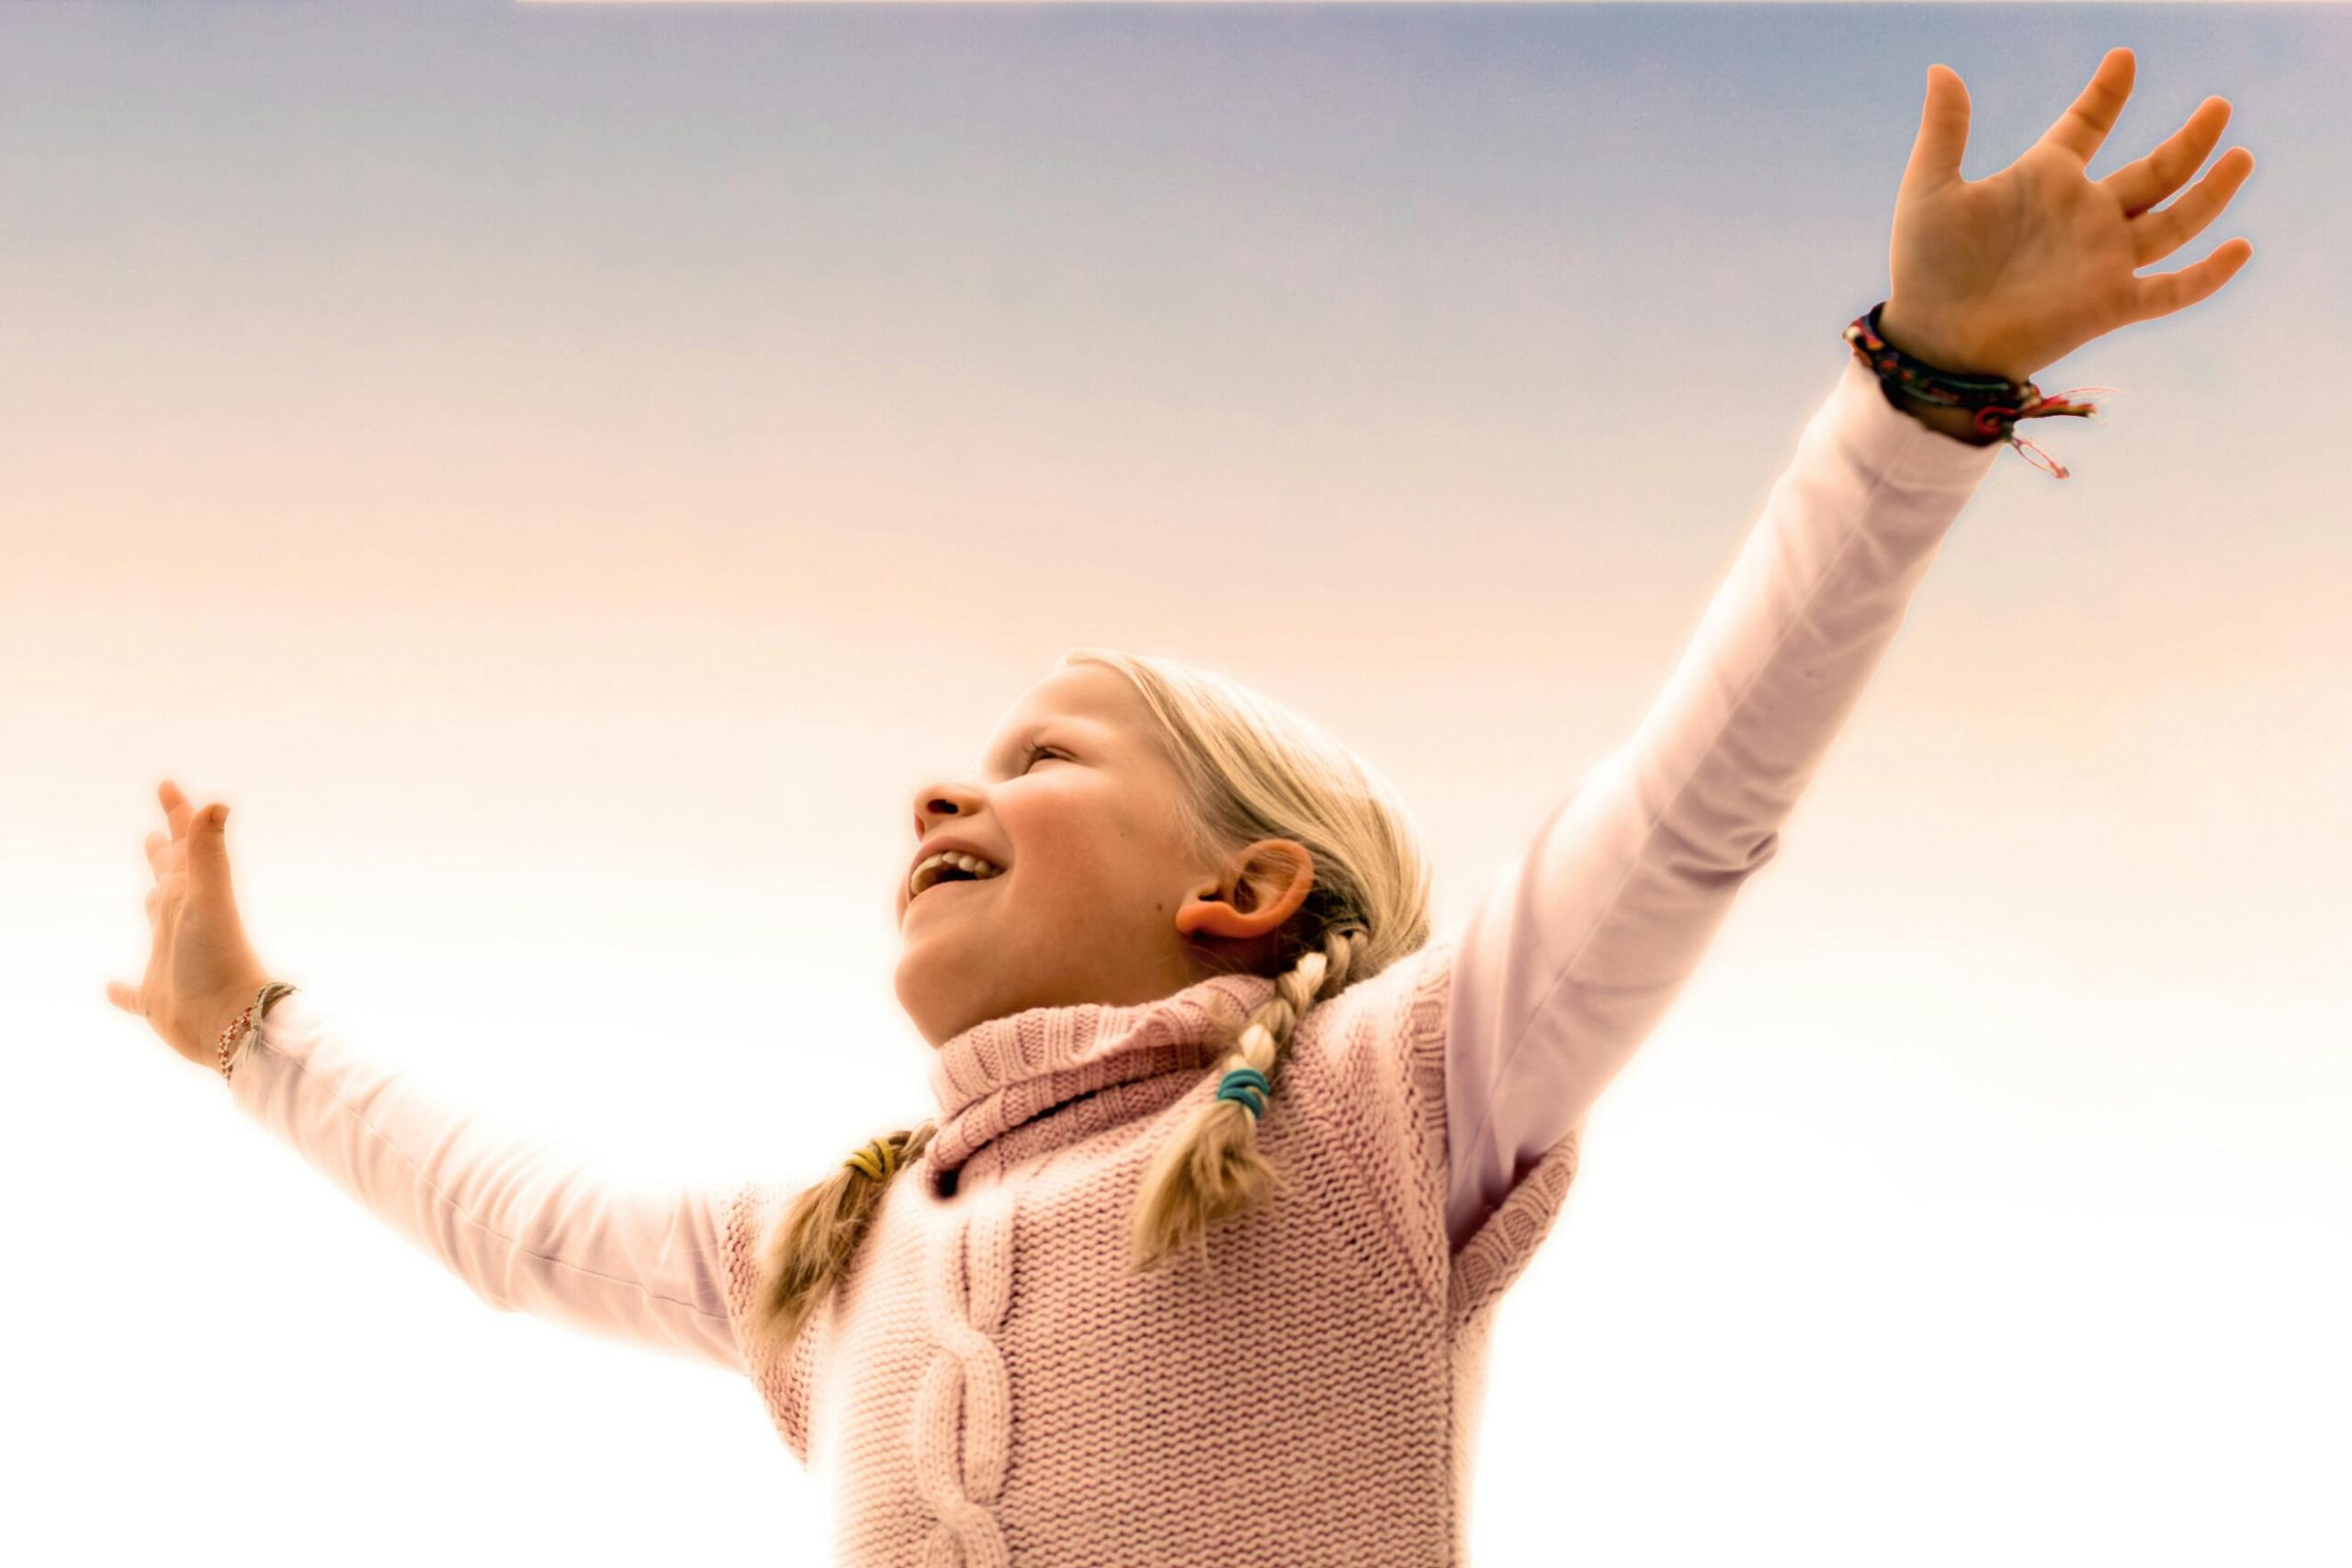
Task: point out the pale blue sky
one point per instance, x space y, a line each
566 472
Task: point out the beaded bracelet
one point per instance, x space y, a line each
1994 402
251 1015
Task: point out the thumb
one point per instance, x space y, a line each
1943 132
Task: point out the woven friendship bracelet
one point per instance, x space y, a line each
1994 402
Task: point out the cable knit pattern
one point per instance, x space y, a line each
990 1387
962 1426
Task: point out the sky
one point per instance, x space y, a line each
564 474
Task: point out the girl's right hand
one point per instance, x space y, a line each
201 972
2005 274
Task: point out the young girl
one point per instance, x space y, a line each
1231 1163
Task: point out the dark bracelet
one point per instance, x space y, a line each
1994 403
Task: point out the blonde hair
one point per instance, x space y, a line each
1251 770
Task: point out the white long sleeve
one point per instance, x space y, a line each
1577 948
527 1227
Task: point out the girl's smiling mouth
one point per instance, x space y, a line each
953 879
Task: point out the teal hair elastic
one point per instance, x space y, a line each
1246 1086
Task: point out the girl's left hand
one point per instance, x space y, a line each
2002 276
201 972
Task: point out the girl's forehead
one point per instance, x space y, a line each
1102 710
1083 691
1041 718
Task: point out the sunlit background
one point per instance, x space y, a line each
564 474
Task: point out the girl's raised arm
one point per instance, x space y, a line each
1577 948
526 1228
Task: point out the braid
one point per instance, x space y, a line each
1212 1169
812 1247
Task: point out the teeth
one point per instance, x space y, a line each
926 873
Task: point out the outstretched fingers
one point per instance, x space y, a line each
2171 291
175 808
2085 125
2157 234
2143 182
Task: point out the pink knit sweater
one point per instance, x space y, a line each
990 1387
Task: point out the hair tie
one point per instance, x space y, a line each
878 1159
1246 1086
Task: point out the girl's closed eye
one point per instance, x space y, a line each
1036 754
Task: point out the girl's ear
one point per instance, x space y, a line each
1263 886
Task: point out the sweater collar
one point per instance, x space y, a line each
1009 1075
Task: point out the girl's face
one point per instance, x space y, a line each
1099 899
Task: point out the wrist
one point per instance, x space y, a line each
1910 337
1952 355
223 1014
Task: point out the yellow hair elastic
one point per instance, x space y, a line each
878 1159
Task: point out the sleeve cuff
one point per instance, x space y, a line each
1888 442
290 1029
